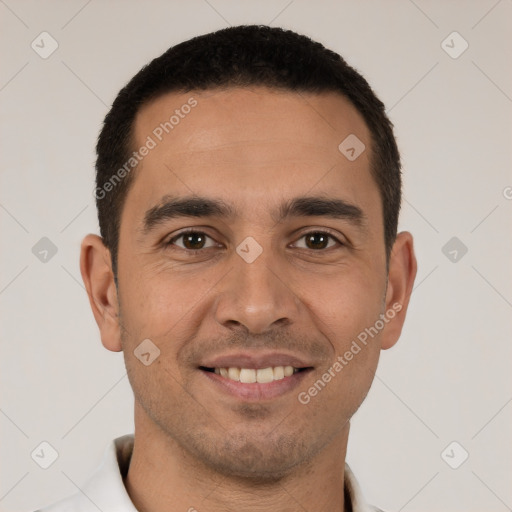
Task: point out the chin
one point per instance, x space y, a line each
253 458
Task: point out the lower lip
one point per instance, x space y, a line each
255 391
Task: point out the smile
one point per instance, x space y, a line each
254 384
252 375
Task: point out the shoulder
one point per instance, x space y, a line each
104 490
354 495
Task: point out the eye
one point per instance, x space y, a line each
318 240
191 240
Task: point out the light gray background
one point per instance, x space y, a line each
448 378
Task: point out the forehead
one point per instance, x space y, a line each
263 114
249 144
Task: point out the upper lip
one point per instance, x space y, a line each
255 360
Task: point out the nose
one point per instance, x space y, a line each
257 296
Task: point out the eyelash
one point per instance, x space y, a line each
195 251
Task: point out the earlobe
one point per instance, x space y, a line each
96 270
401 275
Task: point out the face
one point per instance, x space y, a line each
249 241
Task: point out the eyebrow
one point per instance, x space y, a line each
200 207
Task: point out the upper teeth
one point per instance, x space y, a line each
248 375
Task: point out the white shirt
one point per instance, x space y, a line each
105 489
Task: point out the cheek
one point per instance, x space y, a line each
350 307
345 304
154 302
343 310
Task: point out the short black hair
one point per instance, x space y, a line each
241 56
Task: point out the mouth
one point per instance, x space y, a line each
254 377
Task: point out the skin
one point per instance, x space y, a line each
254 148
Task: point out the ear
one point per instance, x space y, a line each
401 275
96 270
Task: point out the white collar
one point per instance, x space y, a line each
105 489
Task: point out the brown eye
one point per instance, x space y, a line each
318 240
191 240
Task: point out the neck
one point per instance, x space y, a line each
162 476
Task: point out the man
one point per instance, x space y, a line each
249 268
